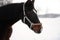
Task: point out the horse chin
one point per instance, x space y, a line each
38 32
37 28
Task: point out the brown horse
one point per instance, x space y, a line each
11 13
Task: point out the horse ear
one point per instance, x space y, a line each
29 4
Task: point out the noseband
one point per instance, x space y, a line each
25 17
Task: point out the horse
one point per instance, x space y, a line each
11 13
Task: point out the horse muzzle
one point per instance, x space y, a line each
37 28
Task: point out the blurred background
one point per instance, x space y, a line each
48 14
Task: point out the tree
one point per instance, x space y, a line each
4 2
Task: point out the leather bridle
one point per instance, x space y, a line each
25 17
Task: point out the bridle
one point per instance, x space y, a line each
25 17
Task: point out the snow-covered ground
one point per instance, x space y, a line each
50 31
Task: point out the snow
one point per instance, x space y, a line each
50 31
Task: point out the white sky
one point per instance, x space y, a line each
49 6
51 26
44 6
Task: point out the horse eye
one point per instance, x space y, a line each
34 10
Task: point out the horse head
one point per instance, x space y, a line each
30 16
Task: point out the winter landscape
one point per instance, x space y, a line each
49 16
